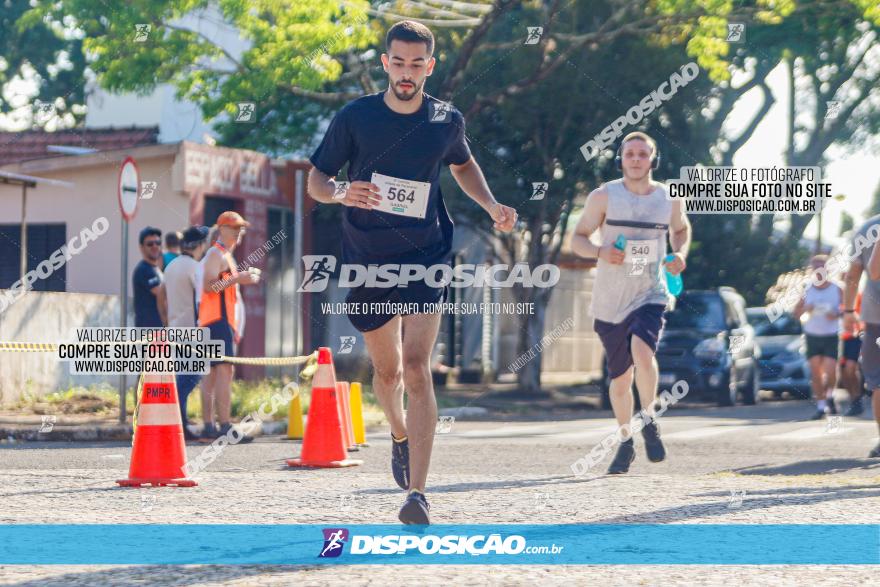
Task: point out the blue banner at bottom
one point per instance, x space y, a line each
562 544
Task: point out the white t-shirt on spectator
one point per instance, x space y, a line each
183 286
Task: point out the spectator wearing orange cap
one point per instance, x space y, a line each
217 313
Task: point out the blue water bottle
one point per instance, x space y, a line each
673 282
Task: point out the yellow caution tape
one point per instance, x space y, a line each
28 346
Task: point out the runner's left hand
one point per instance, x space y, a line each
504 217
677 264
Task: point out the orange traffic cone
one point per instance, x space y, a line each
159 452
323 445
345 414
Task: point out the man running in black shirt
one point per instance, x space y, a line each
394 143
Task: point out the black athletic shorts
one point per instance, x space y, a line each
369 308
850 348
822 346
646 322
221 330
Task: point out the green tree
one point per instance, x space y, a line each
46 55
846 223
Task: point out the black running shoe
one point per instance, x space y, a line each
415 509
856 408
653 445
400 461
626 454
875 452
818 415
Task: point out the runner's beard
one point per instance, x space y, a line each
406 97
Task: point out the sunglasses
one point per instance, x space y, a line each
152 243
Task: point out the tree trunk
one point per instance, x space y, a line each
528 377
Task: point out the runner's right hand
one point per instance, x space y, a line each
362 194
611 255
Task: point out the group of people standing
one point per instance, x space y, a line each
195 282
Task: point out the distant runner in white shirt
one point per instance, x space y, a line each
823 304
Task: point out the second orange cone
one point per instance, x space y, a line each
323 443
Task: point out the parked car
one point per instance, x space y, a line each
708 342
784 365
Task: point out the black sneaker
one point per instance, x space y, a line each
400 461
856 408
818 415
209 433
415 509
241 436
653 445
188 434
832 408
875 452
626 454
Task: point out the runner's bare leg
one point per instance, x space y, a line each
647 374
620 394
384 347
419 335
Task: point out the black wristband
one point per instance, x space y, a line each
849 311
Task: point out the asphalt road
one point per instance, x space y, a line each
757 465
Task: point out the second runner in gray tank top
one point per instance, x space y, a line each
644 221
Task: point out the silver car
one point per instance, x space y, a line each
783 362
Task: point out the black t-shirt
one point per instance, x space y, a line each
146 307
371 137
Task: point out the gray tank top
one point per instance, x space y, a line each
644 221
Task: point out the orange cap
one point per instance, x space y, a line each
230 218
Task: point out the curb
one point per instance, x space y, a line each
12 433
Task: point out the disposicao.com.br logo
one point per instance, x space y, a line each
449 544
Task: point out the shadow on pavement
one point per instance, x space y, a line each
161 574
818 467
489 485
793 496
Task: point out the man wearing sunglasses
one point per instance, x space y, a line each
150 305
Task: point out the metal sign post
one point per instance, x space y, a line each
127 192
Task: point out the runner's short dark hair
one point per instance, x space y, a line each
148 232
172 239
410 31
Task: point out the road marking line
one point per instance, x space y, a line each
809 433
705 432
